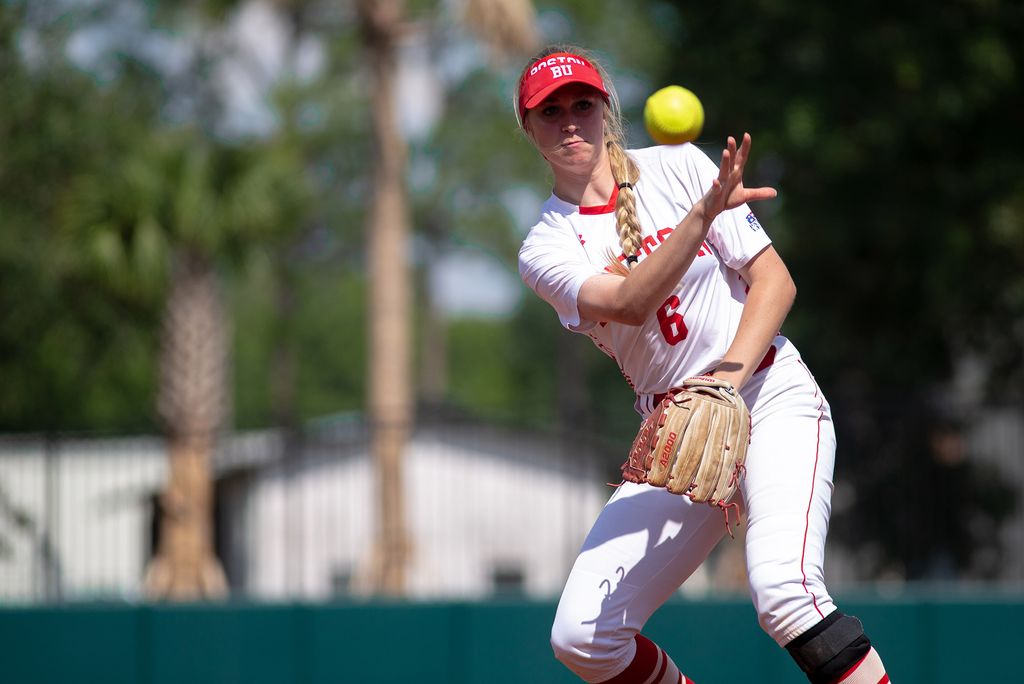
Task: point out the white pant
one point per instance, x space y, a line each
646 541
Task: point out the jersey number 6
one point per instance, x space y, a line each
672 326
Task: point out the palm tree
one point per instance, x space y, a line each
177 207
506 26
192 402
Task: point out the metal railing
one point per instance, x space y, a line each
490 511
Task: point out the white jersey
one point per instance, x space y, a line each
692 330
620 577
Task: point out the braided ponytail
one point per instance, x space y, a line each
626 174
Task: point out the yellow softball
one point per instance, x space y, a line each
673 116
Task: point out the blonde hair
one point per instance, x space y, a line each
624 170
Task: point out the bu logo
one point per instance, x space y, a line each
561 70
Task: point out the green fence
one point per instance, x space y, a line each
929 640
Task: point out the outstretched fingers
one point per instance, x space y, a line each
756 194
728 191
725 166
743 153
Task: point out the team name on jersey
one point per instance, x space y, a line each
651 242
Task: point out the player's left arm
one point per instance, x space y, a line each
769 300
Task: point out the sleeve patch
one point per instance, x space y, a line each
752 222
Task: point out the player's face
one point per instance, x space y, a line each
568 128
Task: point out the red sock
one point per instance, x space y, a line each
650 665
869 670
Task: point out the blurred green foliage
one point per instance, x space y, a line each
889 130
886 128
65 358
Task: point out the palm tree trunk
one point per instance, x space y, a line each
192 403
390 380
185 567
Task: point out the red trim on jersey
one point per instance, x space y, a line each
769 359
810 498
604 209
640 668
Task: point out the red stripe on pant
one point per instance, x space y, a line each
870 660
642 666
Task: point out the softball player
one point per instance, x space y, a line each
655 255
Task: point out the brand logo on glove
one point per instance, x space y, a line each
667 449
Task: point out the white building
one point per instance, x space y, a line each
487 510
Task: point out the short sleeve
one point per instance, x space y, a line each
736 234
553 264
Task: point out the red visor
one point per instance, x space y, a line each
550 73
